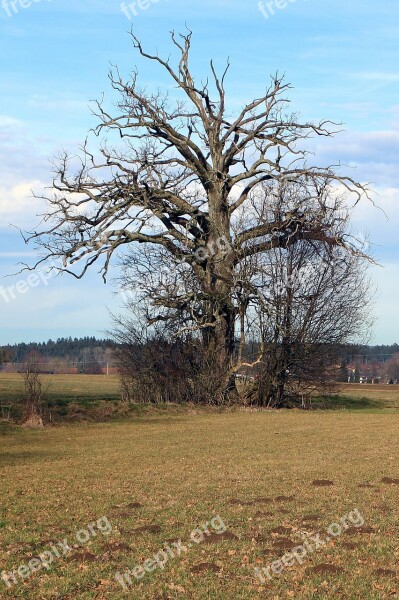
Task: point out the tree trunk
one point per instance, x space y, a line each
219 339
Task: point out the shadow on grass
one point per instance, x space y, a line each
7 428
339 402
22 458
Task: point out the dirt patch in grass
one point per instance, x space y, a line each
311 518
83 557
205 566
360 530
281 529
260 514
116 547
237 502
214 538
121 511
322 483
385 572
148 529
350 545
390 481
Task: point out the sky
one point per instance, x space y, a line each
340 57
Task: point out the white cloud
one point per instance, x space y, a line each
9 122
371 156
379 223
21 157
18 207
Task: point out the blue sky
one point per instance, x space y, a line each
341 58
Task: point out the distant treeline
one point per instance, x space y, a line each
71 349
381 353
92 350
349 353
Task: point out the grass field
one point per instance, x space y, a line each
365 397
64 388
381 395
254 470
89 391
156 478
86 391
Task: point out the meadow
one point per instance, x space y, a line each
86 393
271 478
83 392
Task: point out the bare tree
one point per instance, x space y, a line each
299 307
5 356
391 368
157 366
33 392
310 304
183 171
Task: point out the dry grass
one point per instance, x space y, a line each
73 387
386 395
88 392
185 469
85 391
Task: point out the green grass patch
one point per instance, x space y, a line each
342 402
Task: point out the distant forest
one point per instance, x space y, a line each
91 355
77 349
378 352
69 348
84 355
